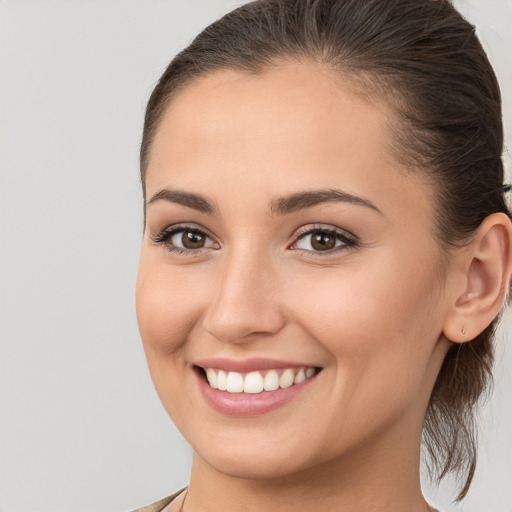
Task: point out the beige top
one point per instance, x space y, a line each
158 506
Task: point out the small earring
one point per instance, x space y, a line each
463 330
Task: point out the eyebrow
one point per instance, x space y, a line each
301 200
280 206
194 201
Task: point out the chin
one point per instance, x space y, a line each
255 466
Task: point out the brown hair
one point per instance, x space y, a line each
426 60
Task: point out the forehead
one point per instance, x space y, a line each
290 127
290 102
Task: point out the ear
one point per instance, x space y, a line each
484 269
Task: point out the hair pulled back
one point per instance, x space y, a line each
424 58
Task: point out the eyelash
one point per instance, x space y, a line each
348 240
163 238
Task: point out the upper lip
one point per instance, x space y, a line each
248 365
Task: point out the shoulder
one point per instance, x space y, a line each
159 505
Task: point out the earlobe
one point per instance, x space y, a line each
487 266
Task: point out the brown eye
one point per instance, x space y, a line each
192 240
182 239
321 241
324 240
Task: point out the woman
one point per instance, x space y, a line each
326 252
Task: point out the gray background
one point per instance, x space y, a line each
81 427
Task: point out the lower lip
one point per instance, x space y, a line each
249 404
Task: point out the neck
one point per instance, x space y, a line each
381 477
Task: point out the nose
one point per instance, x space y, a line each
245 305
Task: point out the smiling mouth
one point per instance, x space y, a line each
256 381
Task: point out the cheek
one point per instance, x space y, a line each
357 309
167 308
380 322
167 311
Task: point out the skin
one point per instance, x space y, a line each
374 316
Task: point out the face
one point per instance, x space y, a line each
287 256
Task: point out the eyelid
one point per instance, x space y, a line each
323 227
349 240
163 236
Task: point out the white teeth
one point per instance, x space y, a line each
255 382
286 379
222 379
300 376
212 377
235 382
271 381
